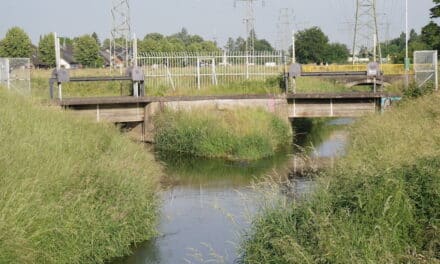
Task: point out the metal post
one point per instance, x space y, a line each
136 86
293 47
286 74
374 59
214 73
247 66
407 62
436 69
355 32
331 108
135 51
375 85
198 73
29 79
135 89
8 76
376 35
58 63
2 67
293 85
374 47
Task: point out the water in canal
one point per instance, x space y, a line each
209 203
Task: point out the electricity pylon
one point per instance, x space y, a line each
284 29
249 21
366 33
120 33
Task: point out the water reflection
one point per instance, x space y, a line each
208 203
193 172
199 225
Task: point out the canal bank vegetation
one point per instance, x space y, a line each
379 204
70 191
240 134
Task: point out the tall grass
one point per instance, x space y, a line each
70 191
40 84
241 134
269 85
380 204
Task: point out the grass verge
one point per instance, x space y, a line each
380 204
70 191
242 134
186 87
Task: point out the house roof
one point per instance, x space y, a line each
67 54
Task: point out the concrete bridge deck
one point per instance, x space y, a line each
138 111
131 109
151 99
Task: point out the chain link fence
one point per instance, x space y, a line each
426 68
15 74
204 70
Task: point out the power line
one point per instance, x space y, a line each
120 33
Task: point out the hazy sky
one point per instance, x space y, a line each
212 19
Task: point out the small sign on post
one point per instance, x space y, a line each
373 71
295 70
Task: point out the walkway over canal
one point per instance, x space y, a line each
140 110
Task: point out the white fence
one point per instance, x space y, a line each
15 74
426 68
204 70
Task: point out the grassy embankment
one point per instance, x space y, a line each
380 204
70 191
241 134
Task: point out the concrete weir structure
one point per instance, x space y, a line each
137 112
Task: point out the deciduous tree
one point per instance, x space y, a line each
336 53
263 45
230 45
46 50
16 44
431 35
95 36
86 51
310 45
179 42
435 11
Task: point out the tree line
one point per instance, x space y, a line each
86 48
311 45
428 39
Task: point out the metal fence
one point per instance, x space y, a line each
426 68
204 70
15 74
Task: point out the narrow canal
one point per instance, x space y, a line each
208 204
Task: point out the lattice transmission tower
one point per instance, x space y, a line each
249 21
366 33
120 47
285 29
